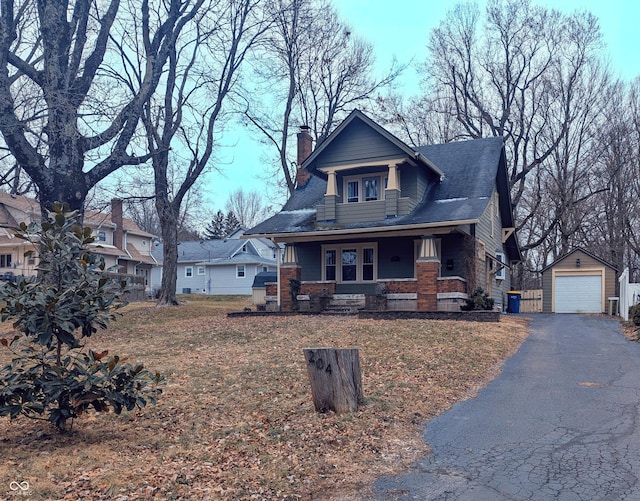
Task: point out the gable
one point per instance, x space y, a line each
569 261
357 143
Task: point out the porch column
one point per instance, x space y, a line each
428 271
332 186
331 197
289 270
392 192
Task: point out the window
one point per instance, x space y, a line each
330 264
200 270
370 188
352 191
364 189
102 236
367 264
357 263
5 260
501 273
240 271
188 271
349 265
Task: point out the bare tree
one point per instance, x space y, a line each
317 71
577 97
533 76
202 74
247 207
66 114
616 216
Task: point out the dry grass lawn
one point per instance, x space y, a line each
236 420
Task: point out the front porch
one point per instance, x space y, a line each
445 294
410 273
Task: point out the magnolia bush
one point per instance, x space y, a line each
51 375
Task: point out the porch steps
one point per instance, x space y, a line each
345 304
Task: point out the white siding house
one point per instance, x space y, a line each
218 267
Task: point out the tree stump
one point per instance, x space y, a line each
336 382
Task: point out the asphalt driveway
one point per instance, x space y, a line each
560 422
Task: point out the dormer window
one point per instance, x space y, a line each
371 188
102 236
364 188
353 191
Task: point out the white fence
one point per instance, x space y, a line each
629 294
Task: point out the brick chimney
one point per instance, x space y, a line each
304 150
117 219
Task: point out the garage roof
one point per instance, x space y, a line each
562 258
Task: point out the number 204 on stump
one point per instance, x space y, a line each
336 381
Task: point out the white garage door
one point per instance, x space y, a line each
579 294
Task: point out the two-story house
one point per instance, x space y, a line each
425 225
118 240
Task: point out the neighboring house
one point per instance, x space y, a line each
226 266
578 282
118 240
427 225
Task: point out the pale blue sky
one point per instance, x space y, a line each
400 28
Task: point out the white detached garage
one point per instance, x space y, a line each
578 282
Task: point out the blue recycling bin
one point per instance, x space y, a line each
513 303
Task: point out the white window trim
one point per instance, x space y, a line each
186 269
200 270
382 176
244 271
358 247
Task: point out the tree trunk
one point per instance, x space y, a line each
169 223
336 382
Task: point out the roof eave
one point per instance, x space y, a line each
347 232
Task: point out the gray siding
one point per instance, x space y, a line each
357 143
452 248
408 182
196 282
489 231
220 279
310 259
396 258
373 210
224 279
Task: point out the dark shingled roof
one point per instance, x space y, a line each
264 277
470 168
